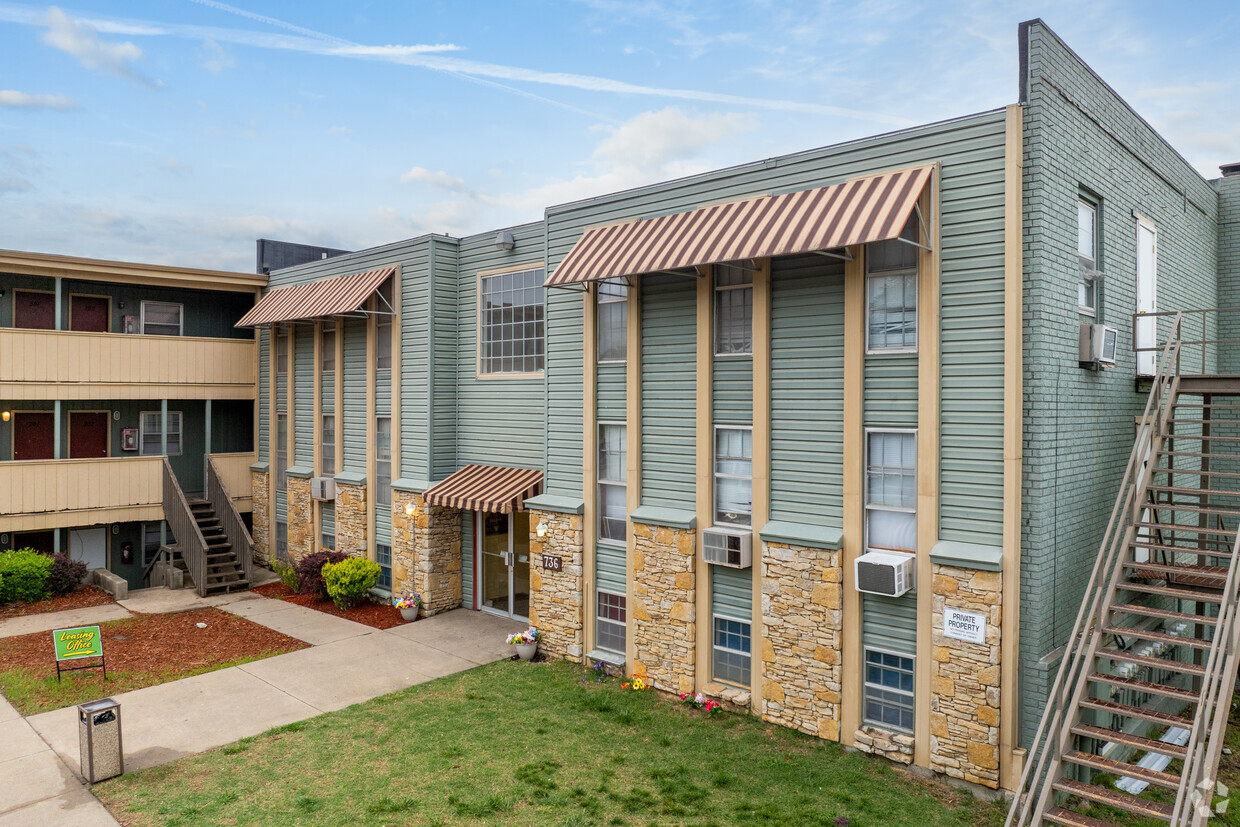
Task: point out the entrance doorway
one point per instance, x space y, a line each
33 435
89 314
34 309
88 434
90 545
44 541
504 552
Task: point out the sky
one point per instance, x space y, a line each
179 131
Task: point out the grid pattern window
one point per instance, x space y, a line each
383 327
889 690
328 451
733 310
612 321
328 542
891 292
891 490
281 451
383 556
731 659
733 476
611 622
281 351
612 474
1087 255
328 347
510 324
149 436
383 459
162 318
282 541
150 541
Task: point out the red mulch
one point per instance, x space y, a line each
77 599
375 615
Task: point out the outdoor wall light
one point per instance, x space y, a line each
410 508
5 416
505 240
541 528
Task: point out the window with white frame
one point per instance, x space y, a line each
733 310
891 292
383 327
383 459
162 318
383 556
150 433
327 459
610 625
510 322
282 541
281 451
612 321
281 348
888 690
1087 256
891 490
328 347
612 474
731 650
733 476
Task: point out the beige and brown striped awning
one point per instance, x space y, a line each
858 211
316 299
486 488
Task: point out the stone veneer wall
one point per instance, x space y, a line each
351 523
556 600
894 746
402 544
802 592
662 617
437 556
260 531
964 679
300 519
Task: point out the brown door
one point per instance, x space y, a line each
88 434
37 540
32 435
34 310
88 314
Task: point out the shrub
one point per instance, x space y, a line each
350 580
23 575
287 574
310 571
65 575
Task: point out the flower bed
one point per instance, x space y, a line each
370 613
79 598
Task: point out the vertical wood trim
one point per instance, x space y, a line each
704 495
851 489
316 432
633 441
1011 757
761 455
290 380
258 402
272 383
927 462
396 370
589 463
370 430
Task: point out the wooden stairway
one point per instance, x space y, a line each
223 570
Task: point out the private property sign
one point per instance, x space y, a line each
969 626
80 642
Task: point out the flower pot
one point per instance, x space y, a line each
526 650
409 614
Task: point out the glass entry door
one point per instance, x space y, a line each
505 562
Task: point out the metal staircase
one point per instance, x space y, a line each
1135 721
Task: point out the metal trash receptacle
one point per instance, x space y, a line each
99 740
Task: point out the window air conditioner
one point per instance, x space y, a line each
885 573
1097 345
322 488
728 547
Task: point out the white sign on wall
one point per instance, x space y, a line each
969 626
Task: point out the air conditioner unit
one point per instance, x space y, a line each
323 488
885 573
1097 345
728 547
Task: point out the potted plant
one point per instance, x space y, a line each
409 606
526 642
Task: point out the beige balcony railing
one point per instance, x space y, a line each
234 471
61 493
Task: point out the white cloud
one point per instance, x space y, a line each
653 139
22 100
438 180
14 183
340 130
172 165
215 58
81 40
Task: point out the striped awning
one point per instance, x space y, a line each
316 299
486 488
858 211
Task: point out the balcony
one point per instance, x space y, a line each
234 470
61 493
61 364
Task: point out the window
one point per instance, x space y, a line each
328 347
733 475
281 451
891 490
733 310
612 473
612 321
150 541
282 541
327 459
891 292
162 318
888 690
731 651
328 542
510 323
383 327
149 423
1087 256
383 460
281 351
610 623
383 556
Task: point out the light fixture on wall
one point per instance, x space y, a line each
116 528
121 305
6 415
505 240
541 528
410 508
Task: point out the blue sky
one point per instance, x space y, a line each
179 131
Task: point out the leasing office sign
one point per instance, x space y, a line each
968 626
81 642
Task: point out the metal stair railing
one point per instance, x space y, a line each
230 519
1044 754
185 528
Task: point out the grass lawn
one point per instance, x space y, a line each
526 744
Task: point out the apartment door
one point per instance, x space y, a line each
89 545
34 309
44 541
88 434
33 435
1147 297
504 552
88 314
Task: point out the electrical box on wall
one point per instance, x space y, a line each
1097 345
129 439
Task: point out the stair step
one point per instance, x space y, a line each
1162 637
229 586
1151 715
1145 686
1205 577
1165 614
1202 405
1134 741
1168 591
1149 660
1196 472
1058 815
1177 527
1162 505
1175 420
1178 489
1116 799
1209 551
1196 455
1210 437
1097 762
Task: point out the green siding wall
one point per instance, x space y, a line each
447 332
327 520
889 623
610 392
732 390
467 559
303 400
264 386
731 592
354 399
668 399
610 568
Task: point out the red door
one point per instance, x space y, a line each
88 434
88 314
34 310
32 435
37 540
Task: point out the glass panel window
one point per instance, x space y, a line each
281 450
611 622
150 541
733 476
281 351
383 556
612 321
328 542
383 459
328 347
510 323
612 473
282 541
730 661
383 327
891 490
888 690
891 292
1087 255
149 436
733 310
162 318
328 450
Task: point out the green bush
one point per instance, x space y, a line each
23 575
287 574
350 580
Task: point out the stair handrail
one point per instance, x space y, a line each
1032 792
185 528
230 519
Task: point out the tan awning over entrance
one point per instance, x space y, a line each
858 211
486 488
316 299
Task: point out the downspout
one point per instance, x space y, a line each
546 360
430 364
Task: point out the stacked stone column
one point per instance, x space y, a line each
436 556
352 529
261 530
402 544
300 524
663 615
556 596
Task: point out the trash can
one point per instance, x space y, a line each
99 740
